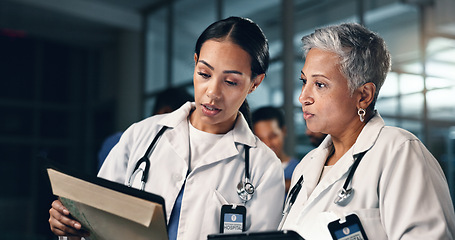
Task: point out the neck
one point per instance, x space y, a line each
343 142
215 128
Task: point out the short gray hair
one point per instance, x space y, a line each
363 54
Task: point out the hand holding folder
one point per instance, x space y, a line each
110 210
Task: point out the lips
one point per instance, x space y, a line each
210 110
307 115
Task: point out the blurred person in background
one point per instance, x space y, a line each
269 126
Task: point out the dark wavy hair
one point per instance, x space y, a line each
243 32
248 36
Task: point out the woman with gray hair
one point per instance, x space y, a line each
365 180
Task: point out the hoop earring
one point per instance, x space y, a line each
361 112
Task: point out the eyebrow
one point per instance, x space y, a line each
226 71
316 75
207 64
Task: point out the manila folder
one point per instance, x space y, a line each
109 210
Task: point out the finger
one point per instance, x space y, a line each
60 229
62 219
61 222
56 212
57 205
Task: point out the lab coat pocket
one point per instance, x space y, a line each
371 222
220 197
211 219
316 228
214 205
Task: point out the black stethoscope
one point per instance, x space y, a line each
245 189
344 195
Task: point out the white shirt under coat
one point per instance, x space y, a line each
212 181
400 190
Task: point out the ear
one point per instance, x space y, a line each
195 58
256 82
366 95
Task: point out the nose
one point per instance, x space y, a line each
305 97
214 89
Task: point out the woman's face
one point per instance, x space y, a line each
271 134
327 104
222 80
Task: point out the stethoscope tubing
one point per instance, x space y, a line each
345 194
247 188
340 199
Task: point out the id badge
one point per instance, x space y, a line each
232 219
352 229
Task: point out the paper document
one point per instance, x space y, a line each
110 210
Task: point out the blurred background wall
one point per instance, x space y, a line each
73 72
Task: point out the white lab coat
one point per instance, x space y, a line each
400 189
213 180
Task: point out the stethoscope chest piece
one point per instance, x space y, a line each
344 196
245 190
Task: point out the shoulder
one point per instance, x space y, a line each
264 156
398 151
152 124
397 134
263 150
144 127
394 139
377 135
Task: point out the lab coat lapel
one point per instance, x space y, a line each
315 165
232 143
177 135
228 146
369 135
179 140
223 149
334 175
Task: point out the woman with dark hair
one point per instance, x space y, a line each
207 155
